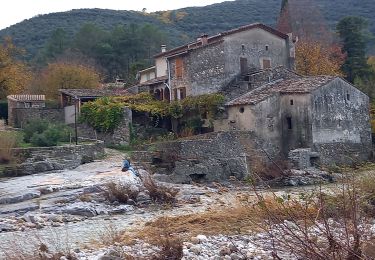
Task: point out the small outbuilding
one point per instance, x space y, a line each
25 103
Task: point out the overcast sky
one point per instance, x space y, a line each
15 11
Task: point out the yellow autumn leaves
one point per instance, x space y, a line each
314 58
14 74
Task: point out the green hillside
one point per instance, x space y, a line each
180 25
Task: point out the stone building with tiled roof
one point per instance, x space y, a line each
210 63
325 114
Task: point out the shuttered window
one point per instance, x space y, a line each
179 67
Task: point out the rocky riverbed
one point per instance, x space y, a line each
66 211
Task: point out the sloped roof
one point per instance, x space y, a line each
93 93
154 81
219 37
25 97
299 85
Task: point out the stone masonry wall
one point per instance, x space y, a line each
210 157
41 159
120 136
21 115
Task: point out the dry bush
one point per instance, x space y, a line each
159 193
170 246
120 192
35 247
271 170
8 140
321 227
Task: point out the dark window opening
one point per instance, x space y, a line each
348 96
242 109
289 122
243 47
266 47
291 102
266 64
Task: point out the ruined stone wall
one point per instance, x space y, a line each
209 157
20 116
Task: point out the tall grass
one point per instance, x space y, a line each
8 140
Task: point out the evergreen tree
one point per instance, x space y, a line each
352 31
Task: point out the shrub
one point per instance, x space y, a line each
8 140
32 127
158 193
120 192
43 133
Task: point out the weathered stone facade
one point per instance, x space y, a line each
314 112
209 157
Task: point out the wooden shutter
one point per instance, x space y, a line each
179 67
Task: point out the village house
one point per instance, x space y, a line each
321 117
210 64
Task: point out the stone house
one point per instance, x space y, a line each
315 118
325 114
211 63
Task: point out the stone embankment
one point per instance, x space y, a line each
42 159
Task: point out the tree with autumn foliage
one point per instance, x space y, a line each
316 52
62 75
314 58
14 74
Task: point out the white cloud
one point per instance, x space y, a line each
16 11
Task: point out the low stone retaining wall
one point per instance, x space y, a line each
205 158
41 159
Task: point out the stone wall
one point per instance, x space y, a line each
209 157
342 153
120 136
41 159
20 116
203 71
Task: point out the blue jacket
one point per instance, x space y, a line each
126 165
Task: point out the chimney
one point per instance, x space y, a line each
204 39
163 48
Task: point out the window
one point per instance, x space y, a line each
289 122
182 93
291 102
179 67
267 47
266 63
348 96
242 109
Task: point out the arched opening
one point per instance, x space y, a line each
167 94
157 94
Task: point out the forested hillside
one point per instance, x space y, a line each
179 25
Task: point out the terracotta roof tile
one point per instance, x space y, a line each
284 86
27 97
